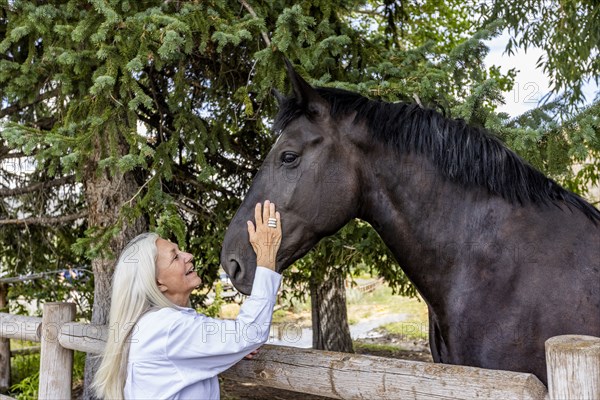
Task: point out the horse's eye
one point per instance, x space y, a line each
288 157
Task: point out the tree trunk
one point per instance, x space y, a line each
4 345
106 194
329 313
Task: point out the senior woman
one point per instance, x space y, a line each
158 347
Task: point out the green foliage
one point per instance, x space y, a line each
28 376
214 309
27 389
555 148
24 367
78 366
176 94
567 31
25 372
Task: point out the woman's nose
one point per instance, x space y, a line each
188 257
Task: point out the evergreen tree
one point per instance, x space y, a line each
120 116
567 31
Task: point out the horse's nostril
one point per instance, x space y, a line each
237 275
235 269
232 267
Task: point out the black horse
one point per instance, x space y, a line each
504 257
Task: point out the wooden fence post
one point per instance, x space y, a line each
56 362
573 366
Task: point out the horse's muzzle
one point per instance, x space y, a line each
239 262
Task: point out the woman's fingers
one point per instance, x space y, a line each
272 210
266 211
265 239
263 213
251 355
258 215
251 229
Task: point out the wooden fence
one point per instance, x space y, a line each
573 367
370 286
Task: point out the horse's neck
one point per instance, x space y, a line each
427 220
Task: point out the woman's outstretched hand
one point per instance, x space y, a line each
265 237
251 355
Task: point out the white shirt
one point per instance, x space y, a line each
178 353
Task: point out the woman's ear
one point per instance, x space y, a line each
161 287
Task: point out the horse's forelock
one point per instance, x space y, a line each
289 110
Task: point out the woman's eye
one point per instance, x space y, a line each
288 157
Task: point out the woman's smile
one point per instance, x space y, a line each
175 272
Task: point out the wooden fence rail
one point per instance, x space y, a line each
573 367
371 286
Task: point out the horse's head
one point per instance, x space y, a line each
311 176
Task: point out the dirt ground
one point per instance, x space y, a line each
396 347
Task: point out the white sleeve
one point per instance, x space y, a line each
213 345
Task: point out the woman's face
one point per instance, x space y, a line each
175 274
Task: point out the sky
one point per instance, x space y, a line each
531 84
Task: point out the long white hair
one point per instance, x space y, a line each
134 291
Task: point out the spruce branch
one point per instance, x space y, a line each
37 186
6 154
253 13
18 107
180 204
44 221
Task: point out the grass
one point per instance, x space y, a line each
22 344
25 370
416 324
297 312
360 306
382 302
407 329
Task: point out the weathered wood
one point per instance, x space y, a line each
573 364
349 376
573 367
56 362
83 337
371 286
20 327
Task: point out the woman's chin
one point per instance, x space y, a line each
195 278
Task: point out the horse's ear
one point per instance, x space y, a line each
278 96
306 95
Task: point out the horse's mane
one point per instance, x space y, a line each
463 154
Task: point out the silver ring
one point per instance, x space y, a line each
272 223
